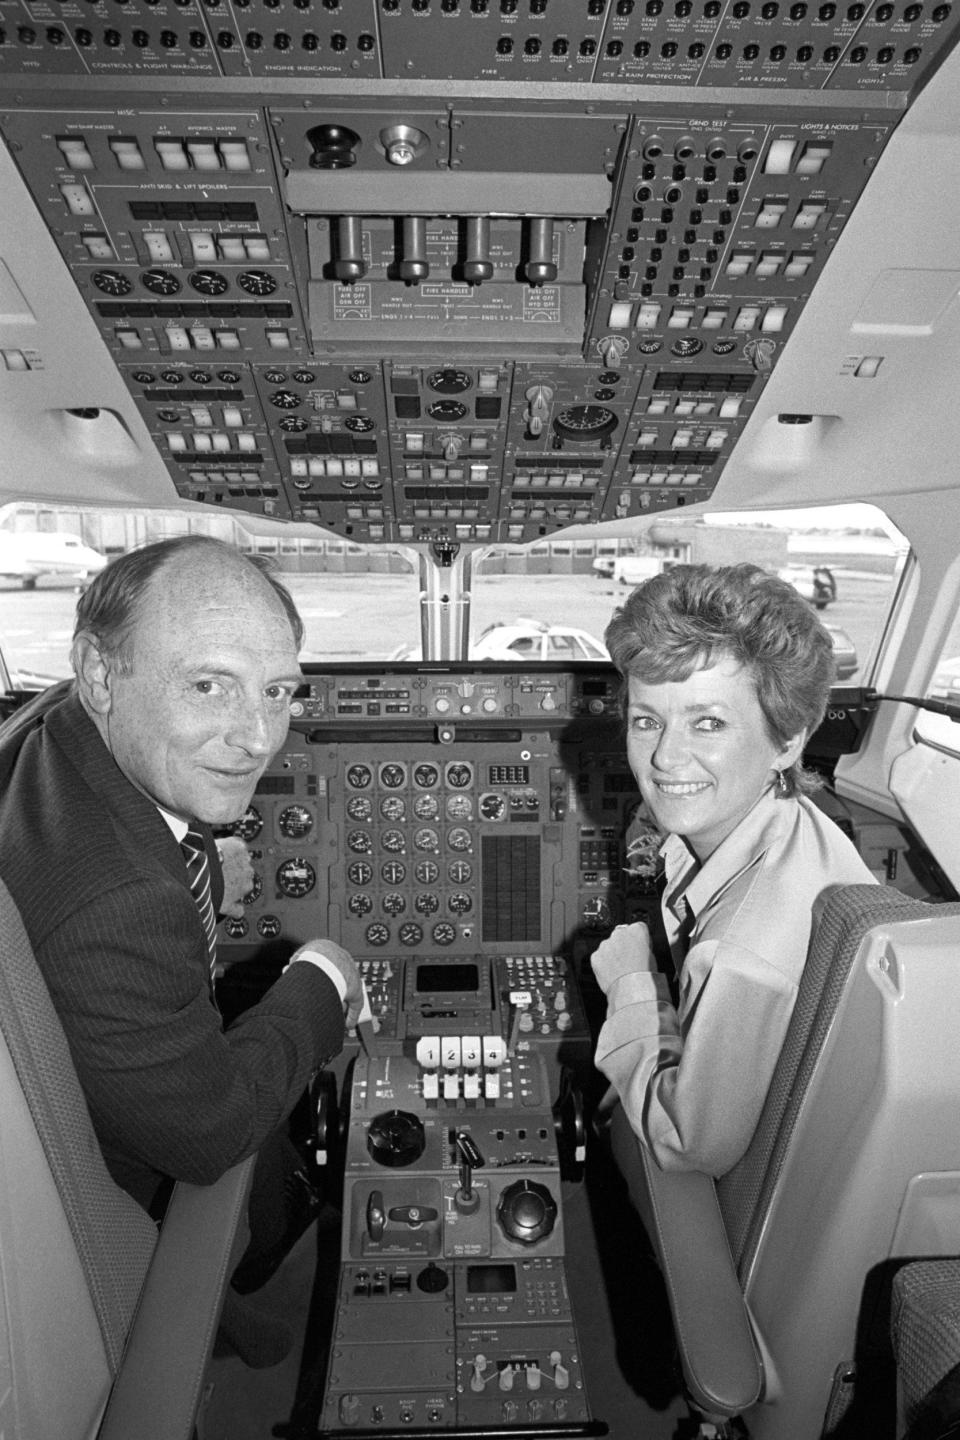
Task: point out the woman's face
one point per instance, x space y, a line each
700 751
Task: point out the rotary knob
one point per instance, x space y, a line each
527 1211
395 1139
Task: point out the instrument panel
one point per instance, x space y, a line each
457 813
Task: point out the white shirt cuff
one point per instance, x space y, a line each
328 968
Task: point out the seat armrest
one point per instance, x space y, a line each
722 1369
159 1387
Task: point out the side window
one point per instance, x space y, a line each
940 730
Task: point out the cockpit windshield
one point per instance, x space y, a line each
547 603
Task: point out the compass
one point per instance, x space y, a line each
586 423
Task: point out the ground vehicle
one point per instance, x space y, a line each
632 569
27 556
377 296
532 641
816 583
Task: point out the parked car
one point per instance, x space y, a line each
844 651
526 640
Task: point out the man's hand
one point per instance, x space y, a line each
354 995
238 876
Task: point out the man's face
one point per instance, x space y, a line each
206 703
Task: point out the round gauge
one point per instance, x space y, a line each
201 377
447 411
360 377
392 807
492 806
209 282
304 377
293 424
359 807
425 776
160 282
427 873
724 347
285 399
649 346
360 424
359 777
171 377
449 382
393 841
426 903
295 821
460 871
248 827
392 776
460 903
112 282
459 839
229 377
426 807
269 927
393 903
360 904
443 933
257 282
377 934
143 377
360 842
359 872
459 775
410 933
275 377
255 891
459 807
585 422
296 877
426 839
393 873
236 927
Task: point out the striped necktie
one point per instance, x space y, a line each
198 870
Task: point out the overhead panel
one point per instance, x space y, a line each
452 270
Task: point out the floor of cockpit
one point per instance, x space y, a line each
622 1323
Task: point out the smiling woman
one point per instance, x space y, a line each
728 671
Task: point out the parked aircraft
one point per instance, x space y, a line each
27 555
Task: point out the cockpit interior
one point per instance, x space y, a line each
474 314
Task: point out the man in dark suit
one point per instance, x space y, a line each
185 660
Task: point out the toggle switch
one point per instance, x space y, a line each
75 153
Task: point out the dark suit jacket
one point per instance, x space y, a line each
100 882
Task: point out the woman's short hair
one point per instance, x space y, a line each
109 608
691 616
